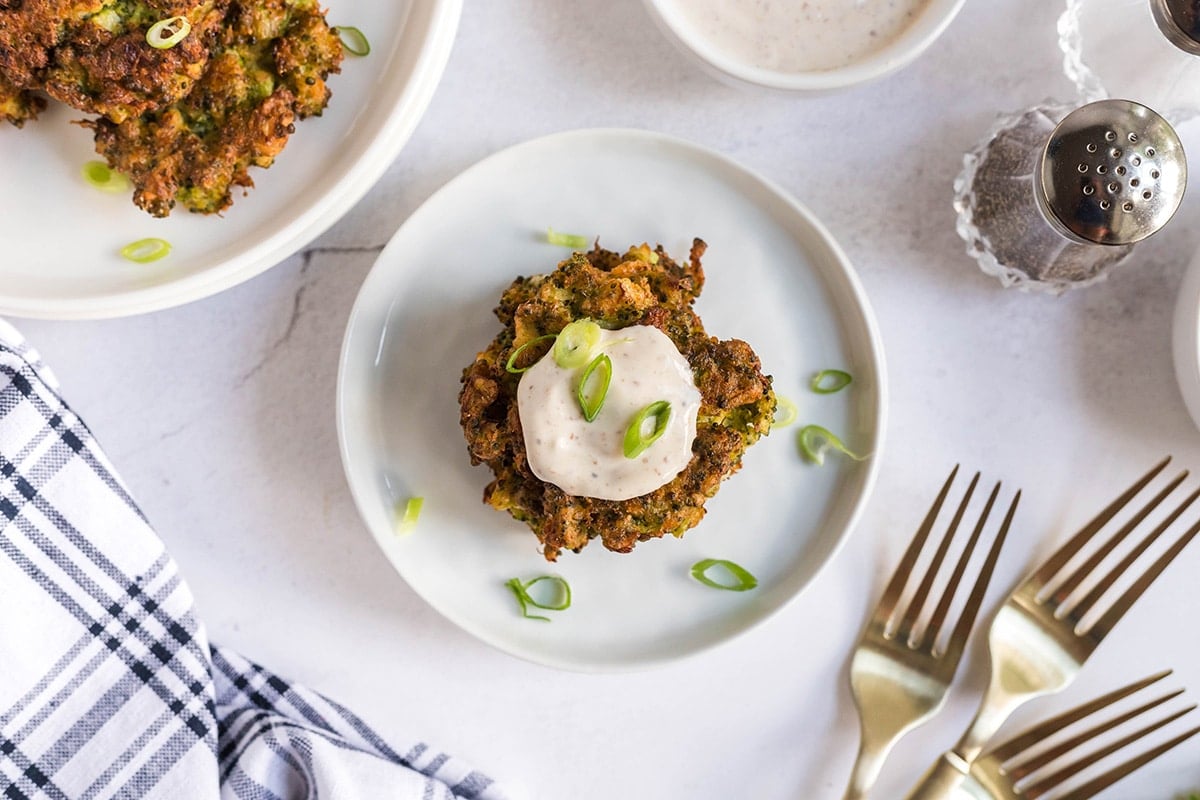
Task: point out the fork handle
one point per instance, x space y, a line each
943 781
867 765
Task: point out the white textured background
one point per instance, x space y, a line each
220 417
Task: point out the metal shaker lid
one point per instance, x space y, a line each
1112 172
1179 20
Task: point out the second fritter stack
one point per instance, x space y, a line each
184 123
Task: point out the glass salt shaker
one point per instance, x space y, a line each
1147 49
1053 197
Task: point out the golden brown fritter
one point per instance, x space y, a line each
267 70
18 105
93 54
641 287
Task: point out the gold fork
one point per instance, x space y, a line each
899 675
1011 771
1038 642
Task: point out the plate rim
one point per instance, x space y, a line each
411 102
873 347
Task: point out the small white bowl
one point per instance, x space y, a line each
934 18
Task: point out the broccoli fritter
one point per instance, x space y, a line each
266 71
18 105
93 54
640 287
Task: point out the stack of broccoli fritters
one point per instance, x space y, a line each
641 287
184 123
267 71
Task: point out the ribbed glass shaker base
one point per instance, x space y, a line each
1115 48
999 219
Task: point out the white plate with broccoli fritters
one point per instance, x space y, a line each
238 144
773 277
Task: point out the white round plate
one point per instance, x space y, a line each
62 238
775 278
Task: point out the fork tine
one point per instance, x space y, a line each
1020 743
895 587
1097 785
1065 553
1087 568
1118 608
960 569
1071 770
1032 765
962 630
1106 583
908 624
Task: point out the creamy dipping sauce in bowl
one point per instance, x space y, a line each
803 45
587 459
800 35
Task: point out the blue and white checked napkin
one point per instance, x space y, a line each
108 685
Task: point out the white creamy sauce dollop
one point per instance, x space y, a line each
587 458
799 35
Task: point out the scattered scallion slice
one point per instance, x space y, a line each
166 33
741 580
521 590
815 441
104 178
637 439
566 240
575 343
512 367
591 393
831 381
406 516
785 412
354 41
144 251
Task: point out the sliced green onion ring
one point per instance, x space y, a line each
566 240
815 441
166 33
143 251
742 580
831 381
591 400
406 515
512 367
521 590
785 412
575 343
636 437
354 41
104 178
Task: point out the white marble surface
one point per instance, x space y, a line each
220 417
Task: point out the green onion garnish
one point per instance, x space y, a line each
353 40
785 412
742 580
831 381
636 437
525 599
406 516
512 367
575 343
101 176
814 441
143 251
591 400
166 33
566 240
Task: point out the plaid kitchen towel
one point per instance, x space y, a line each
108 685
